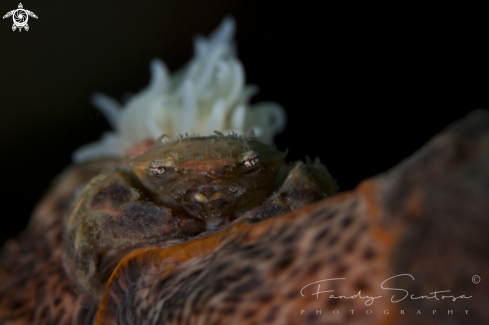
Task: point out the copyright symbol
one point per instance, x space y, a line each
476 279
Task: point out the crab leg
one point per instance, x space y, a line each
111 212
305 183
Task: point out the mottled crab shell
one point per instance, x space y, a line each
227 158
172 191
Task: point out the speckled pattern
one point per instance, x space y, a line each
34 288
426 217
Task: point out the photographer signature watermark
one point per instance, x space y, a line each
395 298
20 17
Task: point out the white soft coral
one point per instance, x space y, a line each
207 94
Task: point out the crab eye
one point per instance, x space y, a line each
156 167
250 159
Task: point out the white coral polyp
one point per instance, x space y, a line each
207 94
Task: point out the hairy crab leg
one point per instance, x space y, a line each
304 184
111 212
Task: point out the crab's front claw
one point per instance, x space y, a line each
141 224
305 183
112 213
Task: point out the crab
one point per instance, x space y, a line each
179 189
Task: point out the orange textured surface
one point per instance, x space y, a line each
426 217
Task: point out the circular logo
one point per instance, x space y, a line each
476 279
20 17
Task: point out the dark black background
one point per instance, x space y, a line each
364 87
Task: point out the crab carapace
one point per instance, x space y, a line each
180 189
